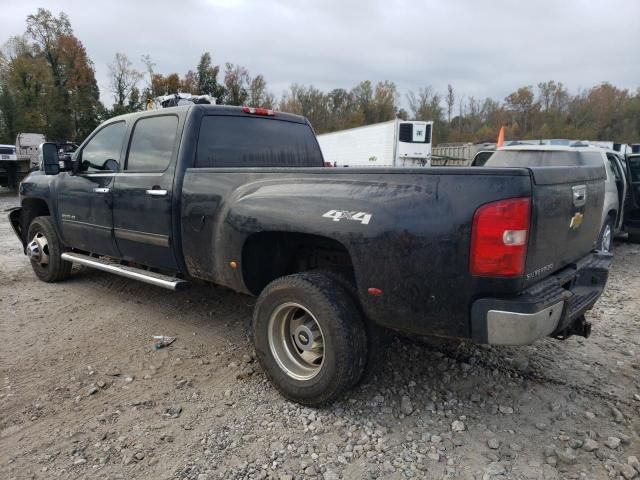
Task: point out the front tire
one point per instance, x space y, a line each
309 338
44 250
605 239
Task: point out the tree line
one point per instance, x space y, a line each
48 85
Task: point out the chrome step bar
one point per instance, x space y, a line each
157 279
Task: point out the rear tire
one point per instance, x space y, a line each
378 338
44 249
309 338
605 239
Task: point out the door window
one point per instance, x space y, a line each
152 144
102 153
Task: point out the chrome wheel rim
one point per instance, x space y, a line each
606 238
296 341
38 250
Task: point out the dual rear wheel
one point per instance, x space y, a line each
310 337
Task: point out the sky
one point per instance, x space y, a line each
483 48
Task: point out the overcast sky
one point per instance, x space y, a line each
482 47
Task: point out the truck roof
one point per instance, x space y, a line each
557 148
217 109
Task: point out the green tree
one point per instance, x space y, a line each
47 82
258 94
385 98
521 104
124 80
236 82
207 75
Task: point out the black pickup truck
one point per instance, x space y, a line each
240 197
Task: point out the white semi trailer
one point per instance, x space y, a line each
16 161
396 143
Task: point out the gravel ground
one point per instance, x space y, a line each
85 395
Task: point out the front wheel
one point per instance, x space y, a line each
309 338
44 250
605 240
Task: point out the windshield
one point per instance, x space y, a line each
543 158
7 150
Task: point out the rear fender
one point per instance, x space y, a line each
295 209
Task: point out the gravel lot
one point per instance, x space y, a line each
85 395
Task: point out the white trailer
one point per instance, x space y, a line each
27 146
396 143
16 161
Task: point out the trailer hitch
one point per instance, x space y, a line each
580 327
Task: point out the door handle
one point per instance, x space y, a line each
101 190
156 192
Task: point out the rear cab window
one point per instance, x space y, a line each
227 141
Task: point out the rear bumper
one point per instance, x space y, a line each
552 307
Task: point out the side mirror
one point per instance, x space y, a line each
50 159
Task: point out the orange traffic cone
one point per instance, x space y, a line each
500 142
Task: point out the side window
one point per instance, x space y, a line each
152 143
613 168
102 153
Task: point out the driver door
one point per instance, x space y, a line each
85 199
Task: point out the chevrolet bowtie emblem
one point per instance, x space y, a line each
576 221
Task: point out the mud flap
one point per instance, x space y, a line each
15 219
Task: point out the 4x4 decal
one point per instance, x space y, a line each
337 215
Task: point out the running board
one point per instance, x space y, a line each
157 279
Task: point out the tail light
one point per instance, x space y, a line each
258 111
499 238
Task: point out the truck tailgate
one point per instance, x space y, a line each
566 216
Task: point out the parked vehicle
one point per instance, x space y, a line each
482 157
462 151
616 183
239 197
632 210
395 143
16 160
27 147
8 163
